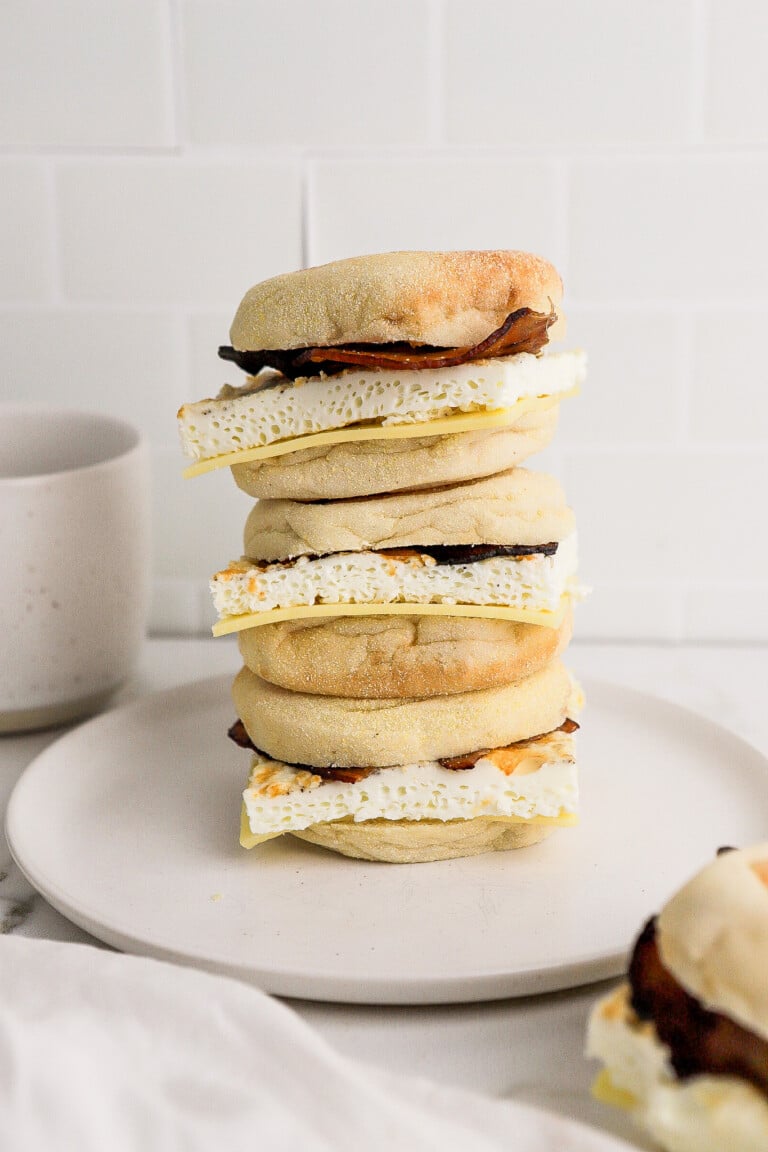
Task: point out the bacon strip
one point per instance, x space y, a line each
441 553
238 733
469 759
343 775
523 331
240 736
701 1042
471 553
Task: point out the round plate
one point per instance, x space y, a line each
129 824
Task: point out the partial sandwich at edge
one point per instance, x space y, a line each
685 1040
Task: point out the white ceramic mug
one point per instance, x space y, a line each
74 562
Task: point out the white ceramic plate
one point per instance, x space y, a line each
129 824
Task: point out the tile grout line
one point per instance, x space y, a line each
699 75
671 304
678 607
749 449
181 325
176 64
56 288
688 357
562 170
436 72
76 307
307 205
575 305
606 152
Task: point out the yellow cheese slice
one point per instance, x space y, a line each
445 426
565 820
305 611
604 1090
247 838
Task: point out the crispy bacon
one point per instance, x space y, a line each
345 775
443 553
568 726
238 733
240 736
354 775
523 331
469 553
469 759
700 1041
463 763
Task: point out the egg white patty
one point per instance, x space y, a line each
697 1114
283 798
278 409
536 582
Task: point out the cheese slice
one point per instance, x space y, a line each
603 1087
548 619
248 839
445 426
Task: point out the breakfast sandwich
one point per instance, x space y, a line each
387 373
409 779
685 1040
503 547
405 588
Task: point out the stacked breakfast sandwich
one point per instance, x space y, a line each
405 590
684 1040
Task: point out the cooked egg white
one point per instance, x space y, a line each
697 1114
537 785
534 583
275 411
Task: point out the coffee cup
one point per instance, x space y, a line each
74 562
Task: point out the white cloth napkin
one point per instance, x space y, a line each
101 1052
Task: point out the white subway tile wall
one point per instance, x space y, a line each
734 108
293 73
157 157
86 73
729 360
143 231
467 202
678 228
558 73
26 232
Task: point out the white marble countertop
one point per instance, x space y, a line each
529 1049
